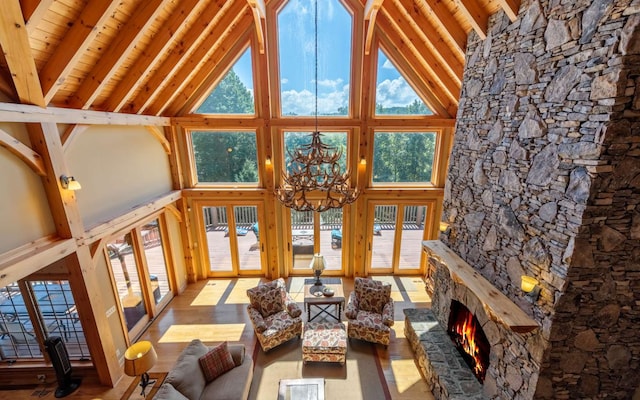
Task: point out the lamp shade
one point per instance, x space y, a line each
317 263
443 226
139 358
528 283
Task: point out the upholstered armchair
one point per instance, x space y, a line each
274 314
370 311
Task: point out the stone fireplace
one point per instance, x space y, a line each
544 181
467 335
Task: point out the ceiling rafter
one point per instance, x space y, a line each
218 41
115 54
447 22
181 53
33 11
259 13
412 47
156 49
370 12
69 50
511 8
476 16
430 37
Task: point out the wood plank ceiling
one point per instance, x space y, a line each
148 56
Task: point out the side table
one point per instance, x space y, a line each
323 303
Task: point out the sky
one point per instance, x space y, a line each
296 44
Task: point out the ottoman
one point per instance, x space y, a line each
324 342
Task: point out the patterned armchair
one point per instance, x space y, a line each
274 314
370 311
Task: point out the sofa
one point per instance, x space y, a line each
186 380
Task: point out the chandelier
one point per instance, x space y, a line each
313 179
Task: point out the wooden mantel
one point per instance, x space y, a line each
497 306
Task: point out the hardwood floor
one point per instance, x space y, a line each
215 310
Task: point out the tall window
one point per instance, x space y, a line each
394 96
225 157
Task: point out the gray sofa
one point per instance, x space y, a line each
186 381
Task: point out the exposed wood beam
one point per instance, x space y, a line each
71 48
476 16
182 52
259 13
159 135
174 210
23 152
128 36
71 133
511 8
447 22
10 112
6 83
32 257
236 20
33 11
370 12
128 219
452 56
14 40
158 47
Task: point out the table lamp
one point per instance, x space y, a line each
138 360
317 265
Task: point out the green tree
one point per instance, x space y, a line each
231 96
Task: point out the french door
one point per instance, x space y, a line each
234 238
396 231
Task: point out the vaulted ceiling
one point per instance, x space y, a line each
153 56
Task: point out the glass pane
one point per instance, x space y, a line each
412 237
234 93
403 157
394 96
331 238
296 41
302 238
293 140
57 308
225 157
218 243
383 236
17 337
246 218
125 272
156 261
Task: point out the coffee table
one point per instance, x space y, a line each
324 304
301 389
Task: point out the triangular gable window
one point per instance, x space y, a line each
394 95
234 93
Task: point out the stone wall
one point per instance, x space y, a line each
544 180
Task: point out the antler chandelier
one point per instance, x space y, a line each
315 168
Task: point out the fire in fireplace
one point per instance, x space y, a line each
469 338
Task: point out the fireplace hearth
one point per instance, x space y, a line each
469 338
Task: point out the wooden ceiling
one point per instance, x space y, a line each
153 56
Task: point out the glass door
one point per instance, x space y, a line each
313 232
233 241
156 259
396 235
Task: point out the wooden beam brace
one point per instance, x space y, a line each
86 27
370 12
128 219
259 13
71 133
95 248
475 15
159 135
14 40
128 36
23 152
10 112
511 8
32 257
447 23
174 210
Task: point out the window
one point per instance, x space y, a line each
403 157
225 157
296 41
293 140
394 96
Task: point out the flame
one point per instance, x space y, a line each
466 331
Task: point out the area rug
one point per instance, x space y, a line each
360 378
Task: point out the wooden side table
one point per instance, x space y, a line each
323 303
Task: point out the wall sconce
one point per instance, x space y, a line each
69 183
267 161
363 160
444 227
530 287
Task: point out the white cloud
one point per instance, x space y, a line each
284 81
330 83
395 93
388 64
303 102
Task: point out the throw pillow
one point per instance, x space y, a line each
269 301
216 362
